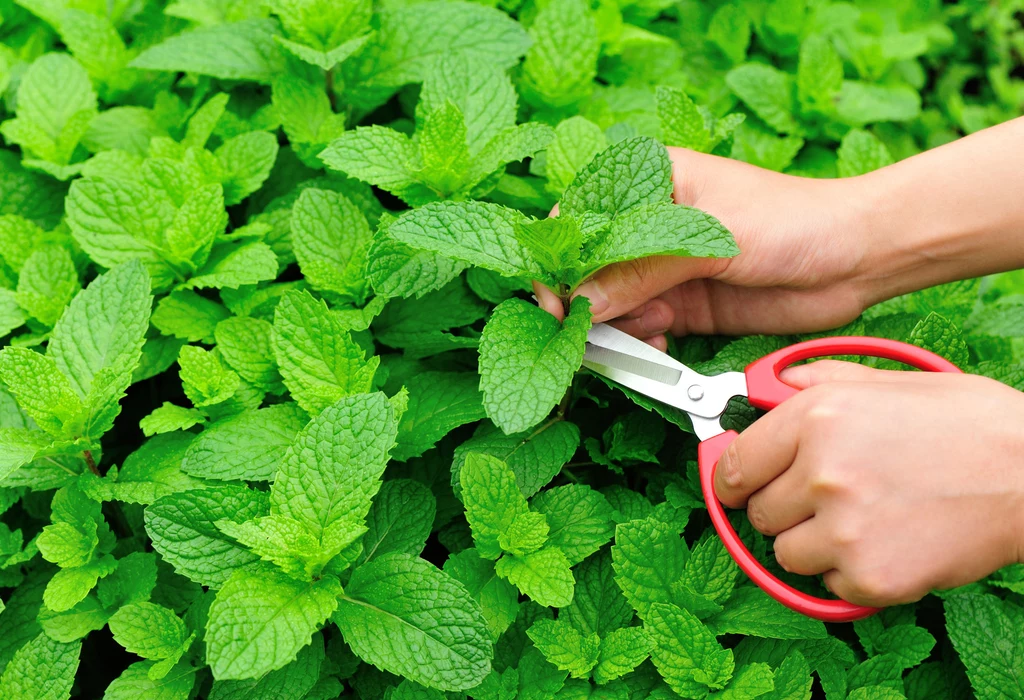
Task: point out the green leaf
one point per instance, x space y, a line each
137 681
421 326
246 344
98 341
47 283
246 161
288 543
544 576
182 529
330 236
318 358
478 233
528 359
43 669
149 630
579 518
631 172
294 680
685 651
750 611
332 471
770 94
941 336
151 472
204 376
243 50
492 499
563 646
498 599
649 560
860 153
234 264
379 156
861 103
621 652
1001 319
682 124
439 402
247 447
819 76
749 682
132 582
186 315
982 629
399 520
43 391
407 617
260 621
561 62
535 456
598 605
711 570
577 141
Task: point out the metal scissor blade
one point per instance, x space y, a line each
631 363
643 368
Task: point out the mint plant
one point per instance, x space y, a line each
279 418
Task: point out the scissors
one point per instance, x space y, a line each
642 368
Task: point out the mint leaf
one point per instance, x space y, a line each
564 647
493 501
296 679
579 518
330 236
405 616
598 605
976 624
438 403
43 669
561 62
243 50
543 575
332 471
631 172
527 360
399 520
685 651
577 141
498 599
318 358
249 446
260 620
860 153
183 532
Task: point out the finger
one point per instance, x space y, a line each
760 454
548 300
653 318
824 371
782 504
659 342
618 289
804 549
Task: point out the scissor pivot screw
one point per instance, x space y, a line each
695 392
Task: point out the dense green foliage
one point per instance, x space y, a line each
278 419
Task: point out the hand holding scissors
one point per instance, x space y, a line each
639 366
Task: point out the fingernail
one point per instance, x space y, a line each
592 291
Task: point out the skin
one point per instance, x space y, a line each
891 484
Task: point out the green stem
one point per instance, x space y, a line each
329 80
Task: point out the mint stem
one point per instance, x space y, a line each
90 462
329 80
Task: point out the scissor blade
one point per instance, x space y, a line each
625 362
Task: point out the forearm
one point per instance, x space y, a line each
951 213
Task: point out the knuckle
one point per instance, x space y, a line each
848 533
759 518
732 467
877 585
828 479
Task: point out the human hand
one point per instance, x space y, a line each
803 255
890 483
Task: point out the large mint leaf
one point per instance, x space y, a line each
439 402
233 51
561 63
98 341
411 38
535 456
261 619
579 518
247 447
649 558
182 529
769 92
528 359
985 632
406 616
294 680
498 599
330 236
685 651
43 669
598 605
493 501
478 233
631 172
399 520
333 469
660 228
318 358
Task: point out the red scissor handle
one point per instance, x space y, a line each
766 391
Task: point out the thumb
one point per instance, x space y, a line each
825 371
619 288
